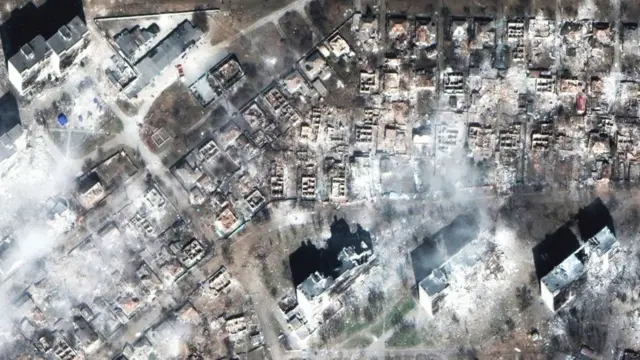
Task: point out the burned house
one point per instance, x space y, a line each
214 82
514 41
369 82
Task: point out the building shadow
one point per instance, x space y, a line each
436 249
593 218
308 258
28 21
555 247
9 113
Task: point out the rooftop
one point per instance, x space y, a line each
314 285
604 241
446 243
570 270
10 128
168 50
68 35
130 40
30 19
30 54
435 283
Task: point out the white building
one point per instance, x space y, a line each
563 282
315 294
40 60
432 290
30 65
603 246
312 296
67 43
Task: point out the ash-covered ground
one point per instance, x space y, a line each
326 179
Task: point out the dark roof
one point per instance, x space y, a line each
10 127
29 21
130 40
30 54
87 182
68 35
447 242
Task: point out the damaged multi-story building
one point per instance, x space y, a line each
316 293
564 263
442 258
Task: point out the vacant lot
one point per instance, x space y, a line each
326 15
428 7
300 35
278 57
517 8
174 111
472 8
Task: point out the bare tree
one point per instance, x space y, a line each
227 254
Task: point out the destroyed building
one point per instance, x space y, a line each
321 274
10 125
220 78
563 282
564 263
432 260
315 293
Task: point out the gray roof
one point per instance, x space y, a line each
314 285
68 35
6 151
570 270
130 40
30 54
169 49
604 241
7 141
15 132
435 283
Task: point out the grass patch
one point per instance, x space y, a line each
395 316
358 342
340 327
352 325
108 131
127 107
406 335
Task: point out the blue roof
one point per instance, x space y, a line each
62 119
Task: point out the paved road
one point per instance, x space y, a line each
418 353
